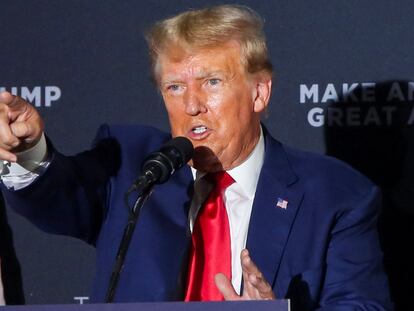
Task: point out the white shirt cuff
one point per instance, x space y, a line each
30 163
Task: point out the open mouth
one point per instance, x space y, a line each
199 129
199 132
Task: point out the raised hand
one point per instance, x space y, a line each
21 126
255 286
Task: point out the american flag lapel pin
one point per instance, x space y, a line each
281 203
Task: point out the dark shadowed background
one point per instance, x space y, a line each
343 86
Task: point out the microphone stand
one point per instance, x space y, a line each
157 168
145 185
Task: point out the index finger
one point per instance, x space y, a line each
247 263
262 286
12 101
6 98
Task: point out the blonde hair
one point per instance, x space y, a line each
211 27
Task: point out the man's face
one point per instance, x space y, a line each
211 100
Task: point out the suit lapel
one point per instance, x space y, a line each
270 223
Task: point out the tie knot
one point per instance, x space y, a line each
220 179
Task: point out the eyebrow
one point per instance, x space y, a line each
205 74
200 76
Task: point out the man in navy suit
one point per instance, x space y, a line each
301 226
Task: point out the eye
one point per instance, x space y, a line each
175 89
214 81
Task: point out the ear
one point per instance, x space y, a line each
262 91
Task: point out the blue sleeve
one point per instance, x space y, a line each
69 197
355 277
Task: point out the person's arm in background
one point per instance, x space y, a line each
2 302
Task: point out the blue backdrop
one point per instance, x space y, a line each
344 75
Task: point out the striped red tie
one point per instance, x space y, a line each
211 248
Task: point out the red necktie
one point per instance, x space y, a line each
210 250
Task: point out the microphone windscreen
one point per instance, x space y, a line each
183 146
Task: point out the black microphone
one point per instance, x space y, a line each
156 169
160 165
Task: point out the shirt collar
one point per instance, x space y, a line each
246 174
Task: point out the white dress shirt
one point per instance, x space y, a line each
238 197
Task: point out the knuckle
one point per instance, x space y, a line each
3 108
20 128
246 260
9 141
17 99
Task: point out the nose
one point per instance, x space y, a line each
193 101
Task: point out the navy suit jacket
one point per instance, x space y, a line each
322 251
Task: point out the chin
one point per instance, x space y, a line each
205 160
